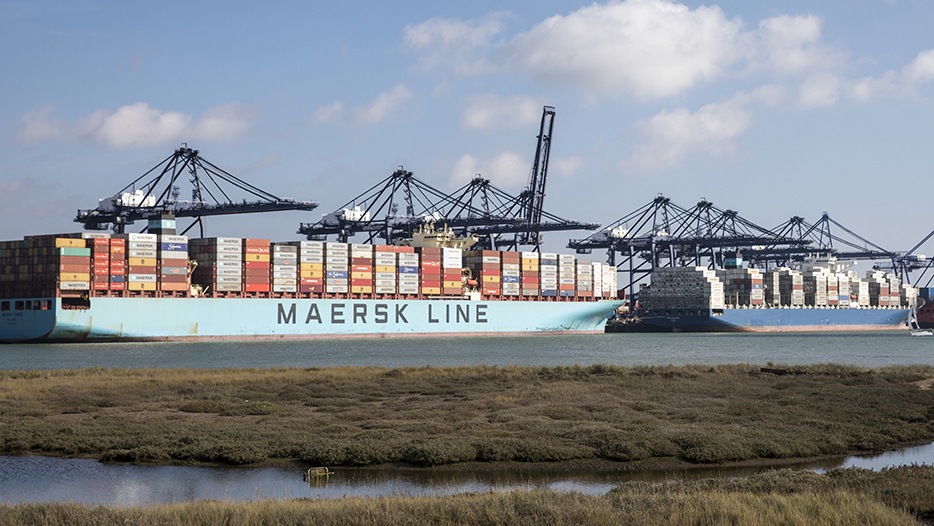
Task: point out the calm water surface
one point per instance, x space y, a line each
40 479
43 479
861 349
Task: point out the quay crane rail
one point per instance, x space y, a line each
160 195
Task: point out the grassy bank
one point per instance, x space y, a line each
433 416
901 496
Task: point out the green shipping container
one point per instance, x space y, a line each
74 251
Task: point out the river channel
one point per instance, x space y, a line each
42 479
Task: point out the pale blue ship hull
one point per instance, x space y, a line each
171 319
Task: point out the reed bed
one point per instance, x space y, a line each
900 496
430 416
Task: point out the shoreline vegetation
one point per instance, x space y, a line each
442 416
902 496
602 417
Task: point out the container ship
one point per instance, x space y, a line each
823 295
160 286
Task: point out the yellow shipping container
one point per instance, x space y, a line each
312 266
431 290
361 275
83 276
141 262
530 268
385 268
132 285
452 284
357 289
311 273
65 242
256 257
490 279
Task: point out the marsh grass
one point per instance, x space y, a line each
430 416
900 496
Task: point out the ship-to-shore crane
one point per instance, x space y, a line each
213 194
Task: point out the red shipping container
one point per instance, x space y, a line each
173 279
256 280
312 281
256 287
117 286
431 270
430 283
256 243
75 269
490 272
361 261
429 250
361 268
255 250
118 270
74 260
115 242
485 253
255 264
101 249
452 290
404 250
256 273
101 271
384 248
356 282
141 270
565 287
530 279
105 241
431 264
314 289
100 263
452 272
101 285
490 292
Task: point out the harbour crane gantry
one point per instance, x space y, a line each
212 195
478 208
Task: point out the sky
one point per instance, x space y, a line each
773 109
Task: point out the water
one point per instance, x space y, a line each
44 479
860 349
41 479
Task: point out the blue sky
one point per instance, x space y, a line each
772 109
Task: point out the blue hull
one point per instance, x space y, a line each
779 320
204 319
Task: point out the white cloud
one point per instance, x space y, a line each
459 44
487 112
789 45
139 126
896 84
383 106
670 136
38 125
508 169
326 114
821 90
652 48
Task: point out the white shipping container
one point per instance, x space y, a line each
166 238
284 288
228 279
143 254
386 275
281 281
172 254
74 285
285 275
142 278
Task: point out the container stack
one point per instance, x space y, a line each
597 270
336 268
894 286
549 274
310 266
742 286
878 288
219 263
683 289
486 267
117 264
256 268
452 264
529 275
75 264
833 294
567 275
908 295
772 288
284 268
142 262
408 270
585 281
162 225
172 253
385 269
511 275
100 262
815 287
430 270
361 268
610 286
843 290
791 287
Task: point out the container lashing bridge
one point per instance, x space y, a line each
212 190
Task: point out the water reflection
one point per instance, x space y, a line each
45 479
